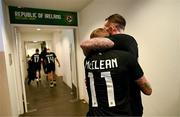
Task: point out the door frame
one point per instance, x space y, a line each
18 44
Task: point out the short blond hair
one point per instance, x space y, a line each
99 32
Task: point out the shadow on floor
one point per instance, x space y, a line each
57 101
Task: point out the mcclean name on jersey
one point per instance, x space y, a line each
101 64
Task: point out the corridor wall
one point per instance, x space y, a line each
9 99
5 107
64 49
63 46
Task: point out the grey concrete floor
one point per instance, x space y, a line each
57 101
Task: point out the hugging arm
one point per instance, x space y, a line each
96 44
144 85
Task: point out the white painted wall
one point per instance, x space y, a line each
57 49
18 75
5 102
31 48
1 43
36 36
10 68
63 45
73 58
179 42
1 28
154 24
1 40
64 49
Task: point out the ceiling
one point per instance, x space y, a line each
67 5
38 29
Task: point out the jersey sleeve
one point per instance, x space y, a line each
135 69
125 42
54 55
133 48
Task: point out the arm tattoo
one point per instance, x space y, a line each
146 86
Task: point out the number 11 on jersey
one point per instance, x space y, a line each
109 85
